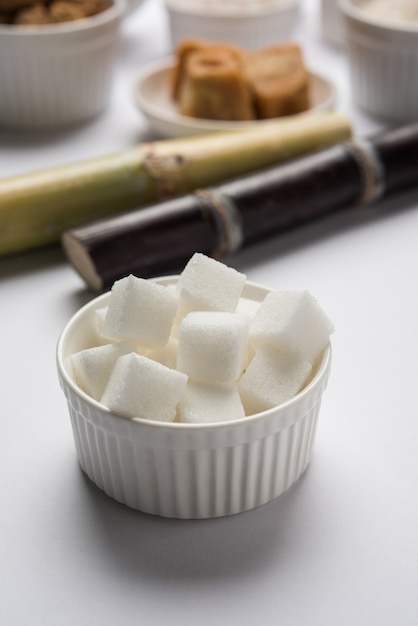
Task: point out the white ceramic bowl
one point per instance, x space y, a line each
383 59
331 22
132 6
57 75
189 470
250 24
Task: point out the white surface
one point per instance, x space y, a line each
340 547
155 102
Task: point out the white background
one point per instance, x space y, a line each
341 546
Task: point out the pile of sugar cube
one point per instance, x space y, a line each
198 351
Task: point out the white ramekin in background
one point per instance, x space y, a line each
189 470
250 25
56 75
331 22
132 6
383 60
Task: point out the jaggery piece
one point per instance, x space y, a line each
35 12
279 81
64 11
10 6
214 87
33 16
183 51
92 7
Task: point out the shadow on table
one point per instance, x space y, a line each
138 545
26 263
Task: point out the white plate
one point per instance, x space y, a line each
153 99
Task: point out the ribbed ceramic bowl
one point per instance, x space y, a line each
251 25
57 75
132 6
331 22
383 59
189 470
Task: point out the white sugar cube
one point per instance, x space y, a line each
166 355
99 318
272 377
92 367
247 307
213 346
204 403
209 285
95 329
292 321
99 321
141 387
140 309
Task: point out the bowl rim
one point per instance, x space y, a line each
321 369
351 10
117 10
278 8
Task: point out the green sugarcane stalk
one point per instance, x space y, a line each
36 208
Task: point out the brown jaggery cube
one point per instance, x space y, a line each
92 7
183 50
8 7
279 80
187 47
64 11
215 87
37 12
32 16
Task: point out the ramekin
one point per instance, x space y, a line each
56 75
263 24
383 61
132 6
331 22
189 470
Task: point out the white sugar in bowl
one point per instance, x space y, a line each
181 470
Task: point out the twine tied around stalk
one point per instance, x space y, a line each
227 220
371 167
